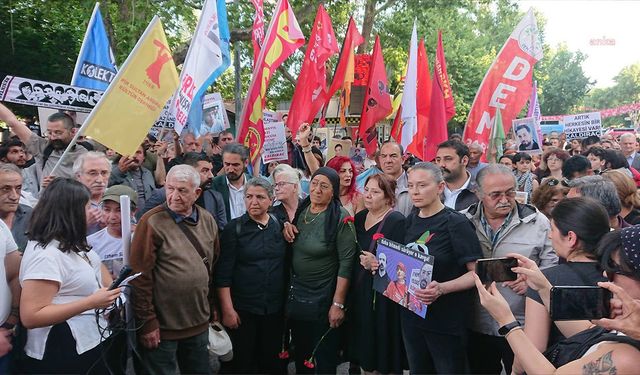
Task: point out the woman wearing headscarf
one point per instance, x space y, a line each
323 252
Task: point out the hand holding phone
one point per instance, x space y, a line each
579 303
496 269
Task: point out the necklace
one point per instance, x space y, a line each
304 219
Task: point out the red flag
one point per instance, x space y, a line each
396 127
507 84
423 104
442 106
343 75
257 34
377 101
282 39
310 94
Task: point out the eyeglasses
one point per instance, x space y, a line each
615 269
554 182
282 184
499 194
323 186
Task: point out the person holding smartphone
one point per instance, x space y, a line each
577 225
608 352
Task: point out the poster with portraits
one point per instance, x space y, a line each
526 133
402 270
48 95
323 134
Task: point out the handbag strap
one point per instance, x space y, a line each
196 245
372 244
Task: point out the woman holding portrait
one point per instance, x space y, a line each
375 337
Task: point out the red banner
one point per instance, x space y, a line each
257 33
282 39
604 113
507 84
377 101
361 70
311 92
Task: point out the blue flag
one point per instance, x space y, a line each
96 66
208 57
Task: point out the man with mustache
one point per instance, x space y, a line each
390 161
459 191
12 212
47 151
93 169
503 226
128 170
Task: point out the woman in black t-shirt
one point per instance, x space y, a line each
577 225
435 344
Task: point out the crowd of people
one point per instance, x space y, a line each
284 255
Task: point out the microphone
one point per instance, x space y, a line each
124 273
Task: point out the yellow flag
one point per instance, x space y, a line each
137 95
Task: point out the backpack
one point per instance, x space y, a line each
576 346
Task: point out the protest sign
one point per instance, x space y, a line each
526 131
583 125
214 116
338 147
48 95
323 134
402 270
275 142
548 128
271 116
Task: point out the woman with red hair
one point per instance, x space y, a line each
350 198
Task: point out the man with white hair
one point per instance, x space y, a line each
503 226
475 165
174 247
628 146
93 169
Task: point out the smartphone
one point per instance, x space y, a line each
580 302
496 269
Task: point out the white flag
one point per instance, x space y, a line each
409 94
207 58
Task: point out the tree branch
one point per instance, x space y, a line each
286 75
385 6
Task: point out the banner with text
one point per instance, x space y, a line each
583 125
275 142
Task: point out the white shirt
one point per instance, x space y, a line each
450 196
109 248
78 278
7 246
236 199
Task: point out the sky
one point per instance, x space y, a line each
592 27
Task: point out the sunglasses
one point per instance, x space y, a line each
554 182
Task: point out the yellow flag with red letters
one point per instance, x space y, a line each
136 96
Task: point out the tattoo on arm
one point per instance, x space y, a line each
600 366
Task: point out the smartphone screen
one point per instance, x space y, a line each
579 303
496 269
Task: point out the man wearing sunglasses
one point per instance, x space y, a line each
503 226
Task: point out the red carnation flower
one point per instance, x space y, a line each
378 236
283 354
309 363
348 219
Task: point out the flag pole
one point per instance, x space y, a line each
109 89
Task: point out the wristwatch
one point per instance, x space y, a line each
508 327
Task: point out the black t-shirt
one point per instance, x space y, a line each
453 244
568 274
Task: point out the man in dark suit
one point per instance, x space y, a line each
629 146
231 184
